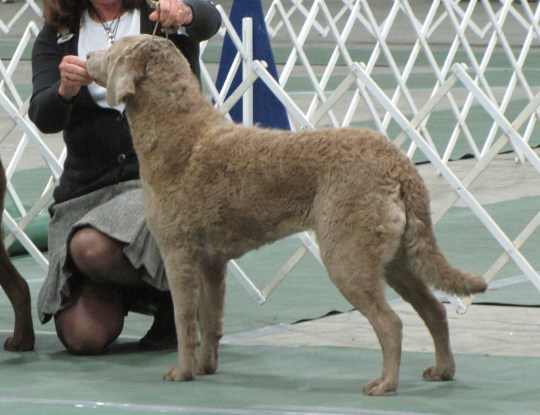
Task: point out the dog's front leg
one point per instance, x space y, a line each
211 304
183 275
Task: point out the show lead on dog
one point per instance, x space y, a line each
103 261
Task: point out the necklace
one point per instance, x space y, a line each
112 27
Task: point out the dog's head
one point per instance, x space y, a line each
120 67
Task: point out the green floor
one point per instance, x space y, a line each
276 380
259 380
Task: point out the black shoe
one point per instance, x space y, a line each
162 333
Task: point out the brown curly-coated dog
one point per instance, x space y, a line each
215 190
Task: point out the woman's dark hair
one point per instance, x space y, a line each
66 14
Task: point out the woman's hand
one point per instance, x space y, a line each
172 13
73 75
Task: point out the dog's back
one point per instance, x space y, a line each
269 184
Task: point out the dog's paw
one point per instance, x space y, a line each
208 361
435 374
208 368
179 374
20 343
379 387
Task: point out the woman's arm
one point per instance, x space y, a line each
200 18
47 110
206 20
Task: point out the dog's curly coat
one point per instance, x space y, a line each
215 190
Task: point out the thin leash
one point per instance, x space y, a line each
155 5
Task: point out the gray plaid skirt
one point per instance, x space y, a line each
116 211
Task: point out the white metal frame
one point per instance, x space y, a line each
26 5
16 108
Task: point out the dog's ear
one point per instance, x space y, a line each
124 72
127 68
121 81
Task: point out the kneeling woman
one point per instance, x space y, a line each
103 261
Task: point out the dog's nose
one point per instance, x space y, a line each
88 55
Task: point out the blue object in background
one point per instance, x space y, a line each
268 111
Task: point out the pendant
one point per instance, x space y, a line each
110 36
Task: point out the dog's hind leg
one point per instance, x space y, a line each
211 304
388 328
184 275
414 290
18 293
359 276
16 290
357 235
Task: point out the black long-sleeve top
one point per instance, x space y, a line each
98 140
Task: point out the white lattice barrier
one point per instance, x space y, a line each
7 21
441 80
29 139
385 85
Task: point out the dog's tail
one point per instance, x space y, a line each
423 255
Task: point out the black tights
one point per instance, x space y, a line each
96 316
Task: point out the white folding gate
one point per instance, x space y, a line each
7 22
15 106
396 69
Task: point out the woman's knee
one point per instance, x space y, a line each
93 252
80 341
93 322
101 259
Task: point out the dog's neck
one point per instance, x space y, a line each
168 103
